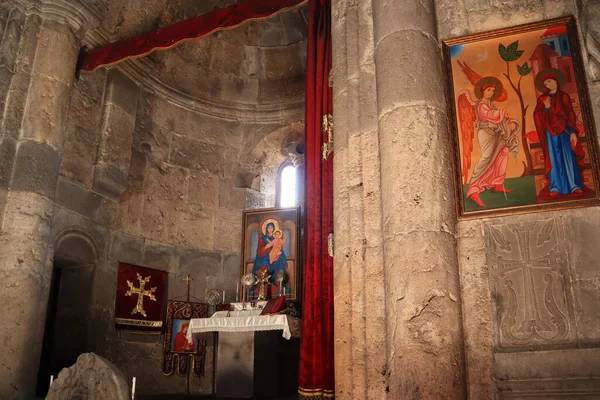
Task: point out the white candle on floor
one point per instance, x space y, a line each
51 379
133 389
223 297
237 292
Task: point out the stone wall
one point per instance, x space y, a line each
162 187
140 173
563 360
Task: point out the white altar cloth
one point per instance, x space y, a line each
241 306
245 321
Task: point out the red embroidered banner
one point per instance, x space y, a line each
178 352
140 299
172 35
316 378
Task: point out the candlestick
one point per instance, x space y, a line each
133 389
51 379
223 297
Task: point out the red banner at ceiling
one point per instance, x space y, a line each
172 35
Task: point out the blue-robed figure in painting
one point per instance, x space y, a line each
556 126
270 253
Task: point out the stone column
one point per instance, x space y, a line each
43 39
360 333
424 334
114 156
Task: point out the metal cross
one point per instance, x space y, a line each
141 292
187 280
262 281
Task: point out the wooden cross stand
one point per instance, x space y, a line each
187 280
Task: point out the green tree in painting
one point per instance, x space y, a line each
511 54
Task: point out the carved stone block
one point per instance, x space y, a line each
93 378
8 149
109 181
37 166
9 48
84 202
529 283
198 155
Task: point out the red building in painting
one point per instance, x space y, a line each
555 52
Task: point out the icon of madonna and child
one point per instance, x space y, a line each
270 243
502 166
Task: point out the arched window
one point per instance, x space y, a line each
287 185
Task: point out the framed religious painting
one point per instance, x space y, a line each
271 252
178 351
521 121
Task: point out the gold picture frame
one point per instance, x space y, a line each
521 122
285 256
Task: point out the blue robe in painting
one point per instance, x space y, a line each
262 258
554 126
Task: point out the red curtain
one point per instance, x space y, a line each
316 378
172 35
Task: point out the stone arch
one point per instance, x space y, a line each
75 257
73 246
272 151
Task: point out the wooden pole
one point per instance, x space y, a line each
187 280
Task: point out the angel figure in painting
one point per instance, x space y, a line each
496 135
556 127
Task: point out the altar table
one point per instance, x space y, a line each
252 359
245 321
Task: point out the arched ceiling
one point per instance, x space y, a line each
260 63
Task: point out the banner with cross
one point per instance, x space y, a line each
139 305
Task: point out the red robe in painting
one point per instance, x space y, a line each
557 120
181 342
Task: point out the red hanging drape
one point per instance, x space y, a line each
172 35
316 378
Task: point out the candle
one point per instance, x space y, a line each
237 292
223 297
133 389
284 290
51 379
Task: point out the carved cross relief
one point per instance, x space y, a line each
527 277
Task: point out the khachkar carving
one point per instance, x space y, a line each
91 377
527 276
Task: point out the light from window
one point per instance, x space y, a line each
288 186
